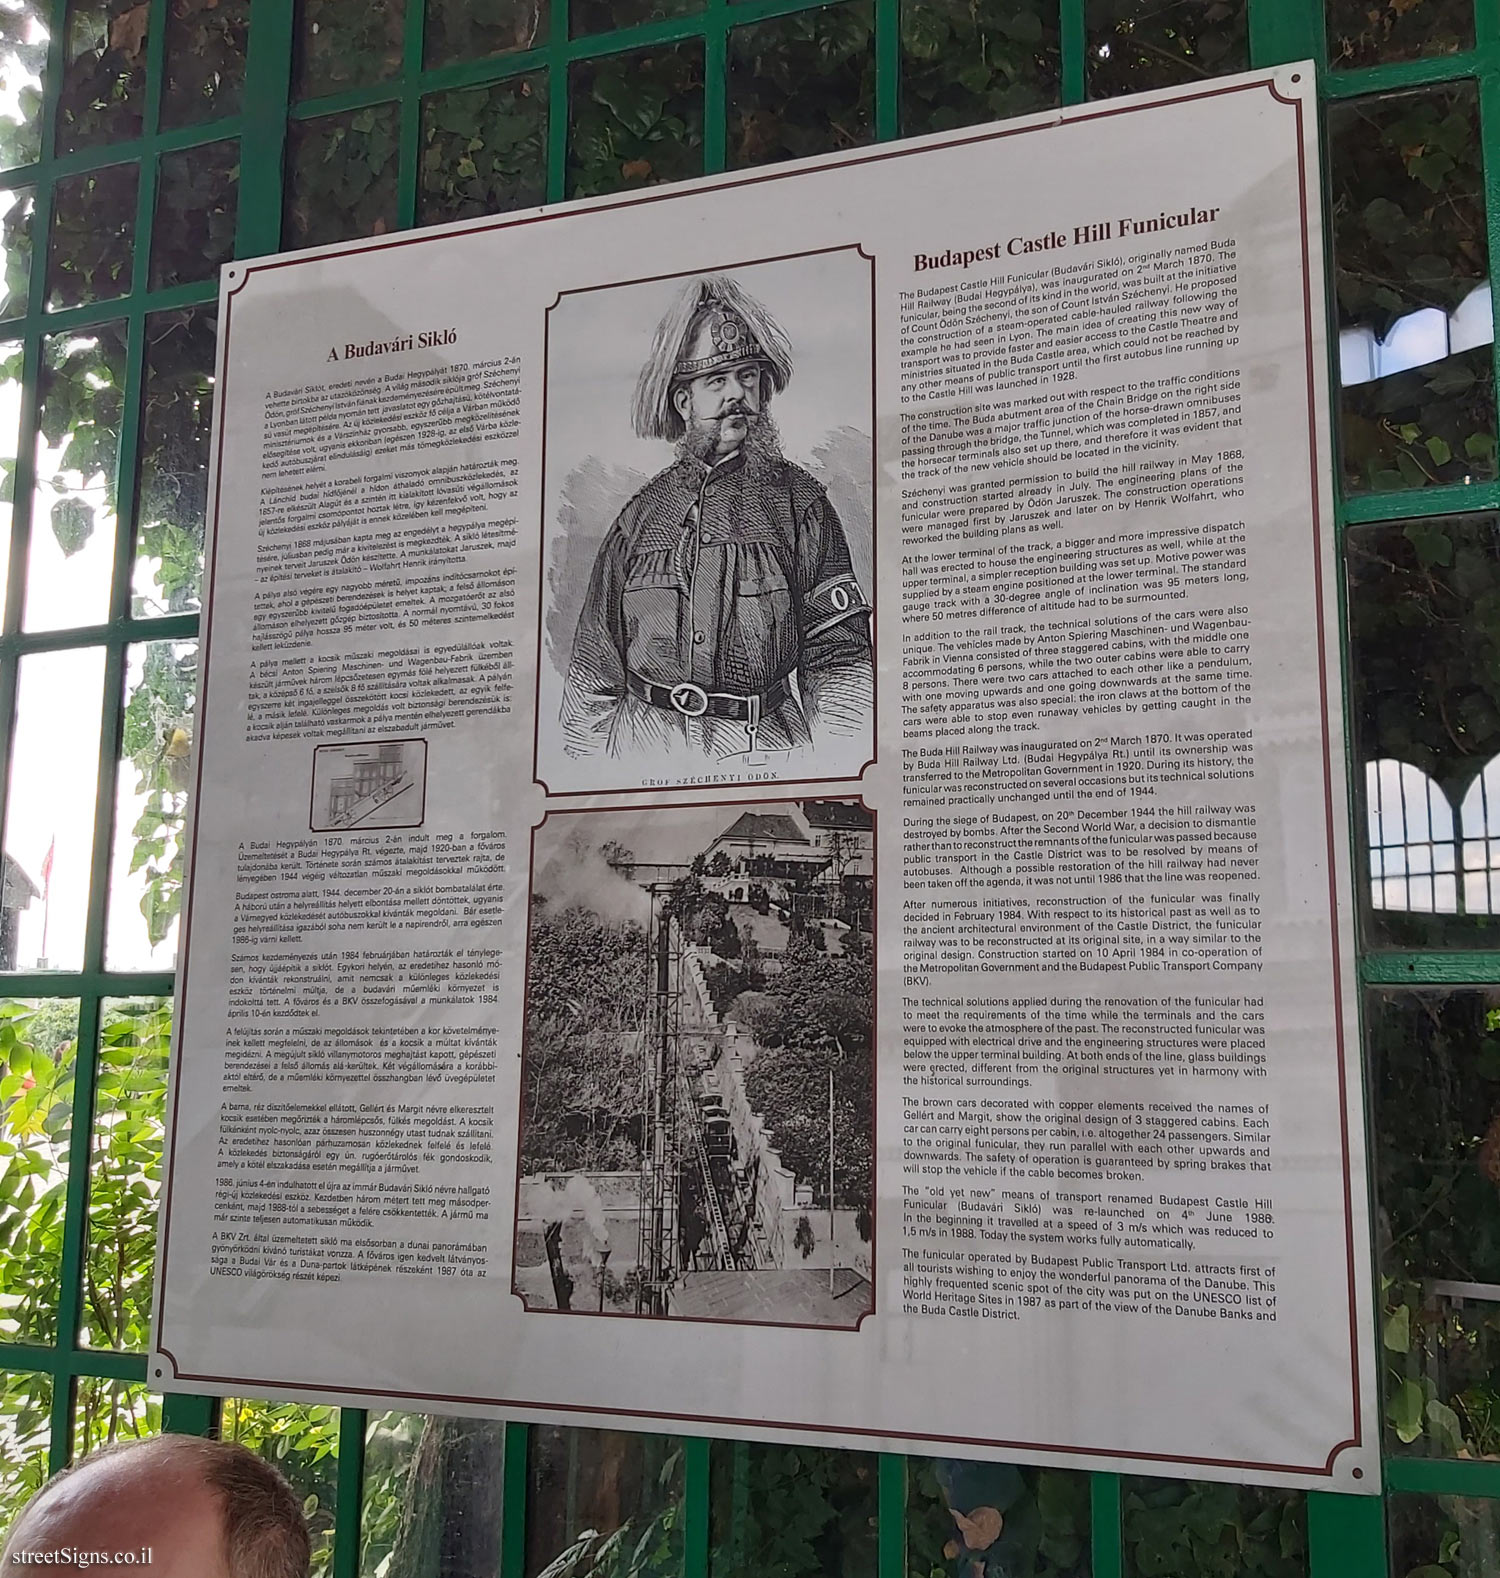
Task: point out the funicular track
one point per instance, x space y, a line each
686 1137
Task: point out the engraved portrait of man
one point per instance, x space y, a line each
723 619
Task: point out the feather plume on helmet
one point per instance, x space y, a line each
712 323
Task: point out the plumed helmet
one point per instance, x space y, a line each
713 323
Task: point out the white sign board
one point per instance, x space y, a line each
770 845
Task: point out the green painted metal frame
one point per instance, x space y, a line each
1346 1534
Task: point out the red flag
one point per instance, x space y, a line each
47 866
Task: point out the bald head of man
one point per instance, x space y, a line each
204 1509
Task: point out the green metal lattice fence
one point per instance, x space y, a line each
148 142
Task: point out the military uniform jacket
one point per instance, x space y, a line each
734 581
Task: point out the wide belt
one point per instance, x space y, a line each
692 701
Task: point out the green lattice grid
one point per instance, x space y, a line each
1346 1534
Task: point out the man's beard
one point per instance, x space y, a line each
762 441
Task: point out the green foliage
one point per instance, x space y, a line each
125 1174
613 1502
51 1024
648 1547
157 741
82 386
36 1113
205 75
1135 45
1443 1536
1425 633
484 150
1181 1529
1410 226
341 177
390 1442
92 246
1044 1529
302 1440
103 91
197 203
1435 1080
472 29
72 522
1409 232
605 16
635 119
802 84
38 1046
108 1411
651 1550
16 243
23 55
25 1431
83 376
791 1512
1435 1070
346 44
1376 32
965 61
172 490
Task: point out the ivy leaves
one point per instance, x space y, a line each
637 120
1409 233
197 204
1435 1068
82 378
102 97
1372 32
72 524
994 1520
23 55
205 65
16 243
157 740
484 150
472 29
345 44
966 61
92 245
800 1512
172 497
1194 1530
1134 45
341 177
802 84
1413 1407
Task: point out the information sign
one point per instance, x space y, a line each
770 851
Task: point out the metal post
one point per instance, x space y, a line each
832 1225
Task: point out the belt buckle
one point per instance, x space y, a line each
689 699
